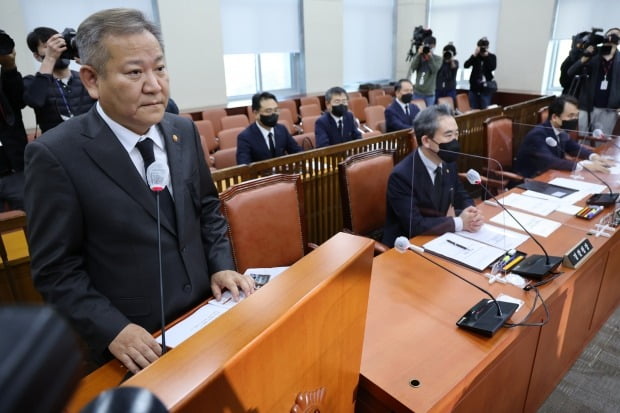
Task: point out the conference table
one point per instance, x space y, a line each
415 358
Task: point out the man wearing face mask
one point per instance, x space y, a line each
548 144
55 92
424 186
265 138
336 124
401 112
599 99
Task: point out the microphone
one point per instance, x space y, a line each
157 177
597 133
534 266
486 316
601 199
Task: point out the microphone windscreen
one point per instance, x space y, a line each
157 176
551 142
597 133
401 244
473 177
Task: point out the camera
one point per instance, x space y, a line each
6 43
419 34
72 50
449 51
483 44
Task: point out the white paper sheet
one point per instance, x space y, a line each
539 205
468 252
578 185
536 225
499 237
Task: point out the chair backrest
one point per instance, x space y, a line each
374 116
266 224
225 158
288 125
286 115
234 121
205 151
307 141
419 103
310 100
498 141
373 94
215 116
462 103
308 123
384 100
292 107
363 186
250 112
446 100
205 129
309 110
11 221
543 114
228 137
354 94
357 105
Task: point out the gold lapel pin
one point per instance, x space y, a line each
175 138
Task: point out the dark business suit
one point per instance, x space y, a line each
251 145
421 215
93 232
327 133
397 119
535 155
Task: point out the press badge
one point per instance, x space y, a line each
604 84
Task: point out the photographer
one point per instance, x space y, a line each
12 133
56 92
481 83
446 77
425 64
599 99
568 82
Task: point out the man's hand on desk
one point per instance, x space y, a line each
135 348
233 282
472 219
598 164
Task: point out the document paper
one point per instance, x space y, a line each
536 225
471 253
497 236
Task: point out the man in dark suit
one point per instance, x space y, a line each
265 138
547 145
336 124
92 217
401 112
424 185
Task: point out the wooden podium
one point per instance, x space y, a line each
296 343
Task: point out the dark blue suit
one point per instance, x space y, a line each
421 215
397 119
251 145
535 155
327 133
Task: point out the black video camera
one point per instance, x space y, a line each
72 50
483 44
419 34
6 43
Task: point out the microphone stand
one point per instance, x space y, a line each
161 277
601 199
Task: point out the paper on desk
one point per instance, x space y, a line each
540 205
588 187
569 209
567 200
496 236
468 252
186 328
536 225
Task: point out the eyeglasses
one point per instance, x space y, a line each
336 102
270 111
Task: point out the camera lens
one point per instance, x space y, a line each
6 44
447 55
426 49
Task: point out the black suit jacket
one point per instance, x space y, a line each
327 133
397 119
411 210
251 145
93 234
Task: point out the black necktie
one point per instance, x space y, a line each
272 145
340 127
166 202
437 188
407 109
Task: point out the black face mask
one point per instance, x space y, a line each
453 147
62 64
569 125
406 98
269 120
339 110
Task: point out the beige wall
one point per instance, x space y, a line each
409 14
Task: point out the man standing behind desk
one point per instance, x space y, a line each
336 124
548 144
424 185
265 138
91 216
401 112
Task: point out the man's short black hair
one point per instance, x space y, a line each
399 85
336 90
557 106
259 97
426 121
40 35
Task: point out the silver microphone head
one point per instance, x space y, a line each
473 177
157 176
551 142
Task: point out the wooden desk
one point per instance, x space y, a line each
411 331
301 333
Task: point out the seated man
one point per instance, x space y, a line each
264 139
336 124
424 185
547 145
401 112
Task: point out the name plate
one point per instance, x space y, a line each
578 254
